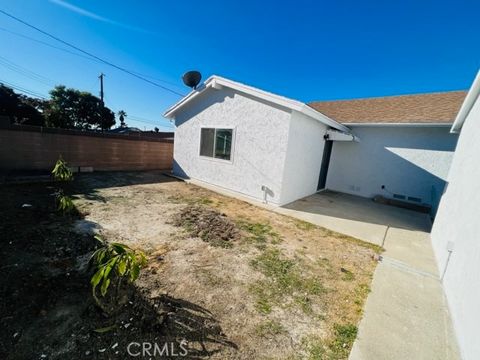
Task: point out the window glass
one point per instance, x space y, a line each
223 143
216 143
207 140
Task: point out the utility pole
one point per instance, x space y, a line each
101 98
102 75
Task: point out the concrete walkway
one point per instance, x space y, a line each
406 315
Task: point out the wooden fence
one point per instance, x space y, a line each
37 148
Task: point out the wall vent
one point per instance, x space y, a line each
399 196
414 199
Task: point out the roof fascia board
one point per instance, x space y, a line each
467 105
399 124
217 82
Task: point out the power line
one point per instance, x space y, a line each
48 44
44 97
135 118
90 54
36 94
24 90
80 55
25 72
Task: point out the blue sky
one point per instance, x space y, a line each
306 50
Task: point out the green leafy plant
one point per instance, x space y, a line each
114 263
61 171
64 203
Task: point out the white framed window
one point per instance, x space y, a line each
216 143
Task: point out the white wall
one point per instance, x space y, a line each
408 160
458 221
259 149
304 157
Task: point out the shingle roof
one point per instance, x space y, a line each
439 107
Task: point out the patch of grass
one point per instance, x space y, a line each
326 264
304 302
342 342
305 225
259 233
285 282
314 348
361 293
269 329
347 275
336 348
376 248
200 201
262 297
190 200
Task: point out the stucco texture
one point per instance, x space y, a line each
304 157
259 143
407 160
457 222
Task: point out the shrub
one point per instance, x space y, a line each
64 203
61 171
114 262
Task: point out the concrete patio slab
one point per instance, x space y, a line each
355 216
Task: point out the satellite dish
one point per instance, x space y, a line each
192 78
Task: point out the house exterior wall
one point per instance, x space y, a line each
458 222
408 160
259 143
303 159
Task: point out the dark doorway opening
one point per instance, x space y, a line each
327 152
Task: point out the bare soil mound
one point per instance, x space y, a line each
208 224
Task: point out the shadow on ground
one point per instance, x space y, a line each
324 207
46 306
89 184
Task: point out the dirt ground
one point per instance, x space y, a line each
274 288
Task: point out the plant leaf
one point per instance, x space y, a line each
122 266
104 288
105 329
97 277
134 272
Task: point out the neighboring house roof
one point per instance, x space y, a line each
136 131
439 108
217 82
124 130
472 97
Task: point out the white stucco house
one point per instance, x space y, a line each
456 230
270 148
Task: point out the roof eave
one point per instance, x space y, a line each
311 112
399 124
467 105
217 83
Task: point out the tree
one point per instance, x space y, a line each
21 109
156 129
121 116
74 109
